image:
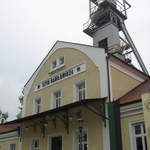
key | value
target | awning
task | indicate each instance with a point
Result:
(96, 106)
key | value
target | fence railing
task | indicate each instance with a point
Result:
(121, 5)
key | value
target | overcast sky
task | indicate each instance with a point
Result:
(29, 28)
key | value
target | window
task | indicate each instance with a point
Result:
(37, 106)
(36, 144)
(12, 147)
(78, 69)
(61, 60)
(56, 99)
(80, 91)
(84, 140)
(139, 136)
(39, 86)
(54, 64)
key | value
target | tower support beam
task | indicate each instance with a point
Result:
(135, 51)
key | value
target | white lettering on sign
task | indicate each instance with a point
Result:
(61, 76)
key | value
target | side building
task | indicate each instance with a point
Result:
(9, 138)
(135, 112)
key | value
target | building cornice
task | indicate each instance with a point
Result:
(131, 109)
(9, 135)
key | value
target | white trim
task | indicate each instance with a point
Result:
(123, 70)
(73, 71)
(54, 135)
(131, 109)
(132, 141)
(131, 136)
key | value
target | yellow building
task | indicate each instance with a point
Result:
(72, 101)
(85, 97)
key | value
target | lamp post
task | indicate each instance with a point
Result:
(80, 126)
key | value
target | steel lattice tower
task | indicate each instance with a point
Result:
(107, 28)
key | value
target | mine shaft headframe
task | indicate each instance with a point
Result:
(110, 15)
(102, 12)
(120, 5)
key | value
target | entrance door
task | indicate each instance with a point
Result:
(56, 143)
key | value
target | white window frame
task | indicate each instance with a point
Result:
(35, 105)
(53, 99)
(58, 65)
(63, 60)
(49, 139)
(133, 136)
(9, 147)
(75, 141)
(31, 146)
(76, 92)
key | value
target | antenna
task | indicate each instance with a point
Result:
(107, 28)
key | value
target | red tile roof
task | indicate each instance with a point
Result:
(8, 128)
(135, 94)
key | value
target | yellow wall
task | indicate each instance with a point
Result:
(91, 122)
(125, 122)
(72, 58)
(146, 106)
(5, 143)
(121, 83)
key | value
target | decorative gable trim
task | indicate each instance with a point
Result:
(97, 55)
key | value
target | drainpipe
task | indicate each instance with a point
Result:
(108, 77)
(114, 116)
